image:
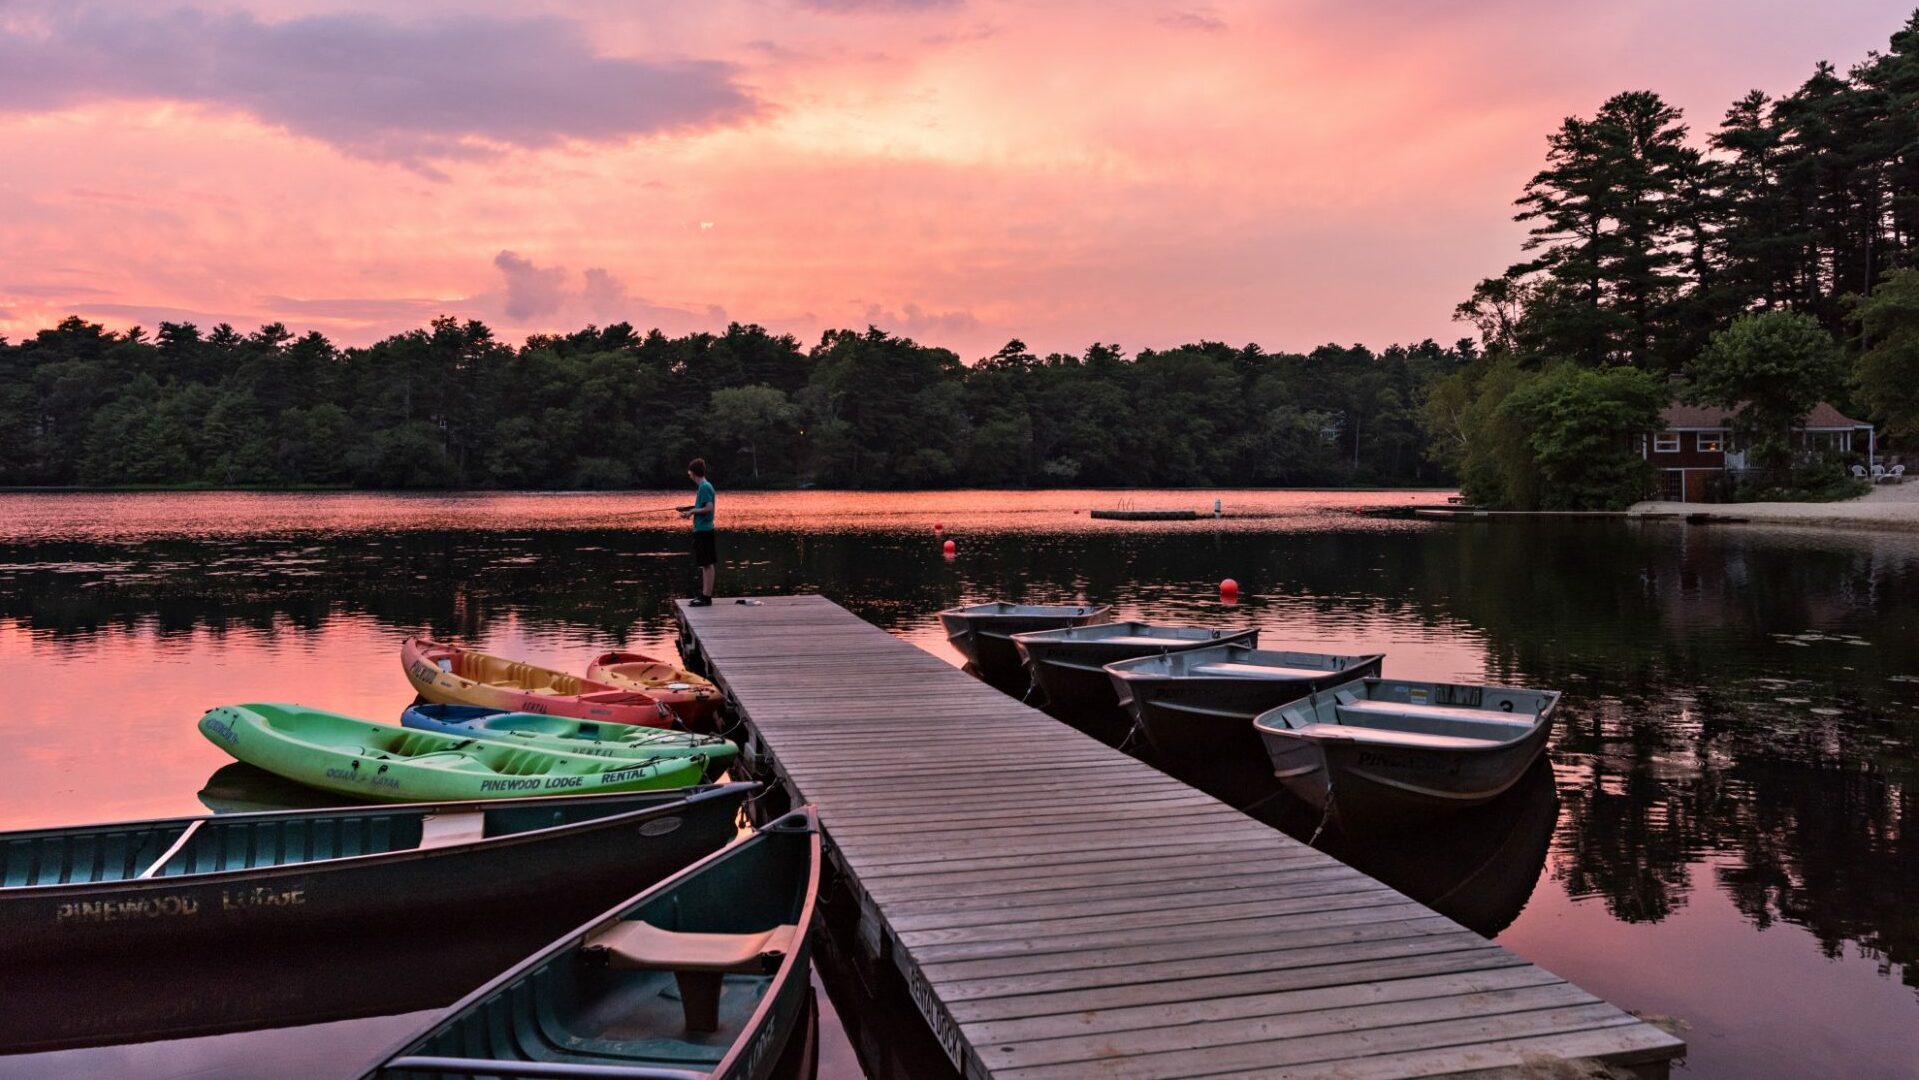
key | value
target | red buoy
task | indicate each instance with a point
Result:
(1229, 587)
(938, 528)
(949, 547)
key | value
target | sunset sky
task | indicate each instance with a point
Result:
(961, 171)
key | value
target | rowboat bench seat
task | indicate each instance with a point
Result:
(1141, 639)
(1257, 671)
(1393, 737)
(698, 962)
(1452, 713)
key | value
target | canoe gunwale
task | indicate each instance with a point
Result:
(535, 1070)
(133, 886)
(798, 956)
(778, 984)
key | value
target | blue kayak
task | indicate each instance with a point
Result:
(566, 734)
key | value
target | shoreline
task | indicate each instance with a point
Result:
(1892, 508)
(188, 489)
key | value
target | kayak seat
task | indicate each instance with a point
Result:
(443, 830)
(698, 961)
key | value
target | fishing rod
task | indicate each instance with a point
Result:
(658, 509)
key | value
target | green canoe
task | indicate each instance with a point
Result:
(392, 764)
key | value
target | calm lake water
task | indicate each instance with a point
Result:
(1726, 835)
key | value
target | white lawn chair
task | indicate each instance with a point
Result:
(1858, 472)
(1878, 474)
(1896, 475)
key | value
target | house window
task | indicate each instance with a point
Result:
(1666, 443)
(1712, 443)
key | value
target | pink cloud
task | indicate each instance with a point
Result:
(446, 87)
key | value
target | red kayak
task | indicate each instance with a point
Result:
(451, 675)
(695, 700)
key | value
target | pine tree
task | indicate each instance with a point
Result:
(1609, 217)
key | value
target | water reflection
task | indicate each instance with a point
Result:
(240, 788)
(1476, 866)
(1736, 750)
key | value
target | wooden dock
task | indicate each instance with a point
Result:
(1059, 909)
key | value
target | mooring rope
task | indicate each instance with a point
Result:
(1325, 816)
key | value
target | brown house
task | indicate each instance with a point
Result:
(1694, 450)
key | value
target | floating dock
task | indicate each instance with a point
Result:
(1061, 910)
(1145, 515)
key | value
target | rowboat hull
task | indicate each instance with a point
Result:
(451, 675)
(356, 933)
(585, 1005)
(565, 735)
(1199, 728)
(1367, 773)
(983, 634)
(383, 763)
(691, 698)
(1375, 782)
(1068, 668)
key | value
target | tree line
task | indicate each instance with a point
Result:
(449, 405)
(1765, 270)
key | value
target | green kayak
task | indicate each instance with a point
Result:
(567, 735)
(392, 764)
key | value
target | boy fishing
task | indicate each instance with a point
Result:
(705, 555)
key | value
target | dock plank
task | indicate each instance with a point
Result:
(1061, 910)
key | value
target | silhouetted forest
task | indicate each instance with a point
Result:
(451, 406)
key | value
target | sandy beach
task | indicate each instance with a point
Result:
(1887, 506)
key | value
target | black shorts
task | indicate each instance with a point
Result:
(703, 548)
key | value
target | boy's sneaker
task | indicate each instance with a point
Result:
(701, 601)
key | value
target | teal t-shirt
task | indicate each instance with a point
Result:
(703, 519)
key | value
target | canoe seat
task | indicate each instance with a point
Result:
(698, 961)
(441, 830)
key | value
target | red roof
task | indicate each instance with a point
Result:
(1823, 415)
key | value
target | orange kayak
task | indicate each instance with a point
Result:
(452, 675)
(695, 700)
